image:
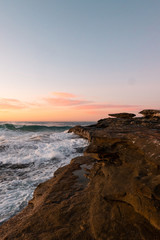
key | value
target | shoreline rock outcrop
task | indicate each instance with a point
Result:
(110, 193)
(150, 113)
(122, 115)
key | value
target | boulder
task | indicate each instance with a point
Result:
(150, 113)
(122, 115)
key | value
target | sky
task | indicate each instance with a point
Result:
(78, 60)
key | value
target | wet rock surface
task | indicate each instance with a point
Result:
(118, 200)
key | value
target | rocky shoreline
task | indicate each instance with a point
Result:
(111, 192)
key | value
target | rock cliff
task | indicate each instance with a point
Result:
(110, 193)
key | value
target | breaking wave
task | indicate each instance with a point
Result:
(33, 128)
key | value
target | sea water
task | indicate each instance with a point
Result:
(30, 152)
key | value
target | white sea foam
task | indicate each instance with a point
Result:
(28, 158)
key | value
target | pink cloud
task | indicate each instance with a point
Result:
(63, 99)
(107, 106)
(8, 103)
(89, 106)
(65, 102)
(12, 100)
(63, 95)
(15, 104)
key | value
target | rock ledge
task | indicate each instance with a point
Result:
(110, 193)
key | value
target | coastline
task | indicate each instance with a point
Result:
(111, 192)
(30, 154)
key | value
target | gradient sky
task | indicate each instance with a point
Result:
(63, 60)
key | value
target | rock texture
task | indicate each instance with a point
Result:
(122, 115)
(150, 113)
(110, 193)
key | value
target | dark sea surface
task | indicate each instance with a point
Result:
(30, 152)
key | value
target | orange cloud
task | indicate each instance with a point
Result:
(8, 104)
(15, 104)
(12, 100)
(63, 95)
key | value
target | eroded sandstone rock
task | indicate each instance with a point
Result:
(150, 113)
(122, 115)
(119, 200)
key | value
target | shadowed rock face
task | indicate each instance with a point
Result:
(120, 198)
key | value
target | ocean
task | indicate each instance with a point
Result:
(30, 152)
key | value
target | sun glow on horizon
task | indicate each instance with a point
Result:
(59, 106)
(78, 60)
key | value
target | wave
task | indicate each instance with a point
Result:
(33, 128)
